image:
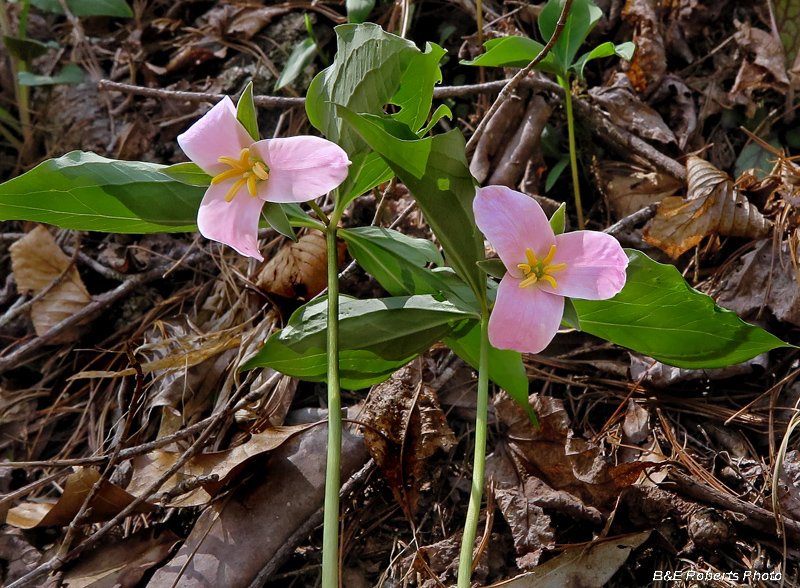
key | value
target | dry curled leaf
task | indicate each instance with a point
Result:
(37, 261)
(649, 63)
(120, 563)
(108, 501)
(207, 473)
(713, 206)
(299, 270)
(406, 427)
(628, 188)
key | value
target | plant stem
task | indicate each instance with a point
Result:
(330, 529)
(573, 155)
(479, 458)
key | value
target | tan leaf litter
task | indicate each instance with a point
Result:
(106, 504)
(629, 188)
(120, 563)
(299, 270)
(205, 474)
(713, 206)
(37, 261)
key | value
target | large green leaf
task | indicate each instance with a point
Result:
(389, 331)
(91, 193)
(514, 52)
(583, 16)
(396, 260)
(371, 69)
(658, 314)
(87, 7)
(505, 366)
(435, 171)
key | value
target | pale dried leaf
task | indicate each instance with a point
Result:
(299, 270)
(204, 474)
(628, 188)
(713, 206)
(765, 67)
(37, 260)
(581, 566)
(121, 563)
(106, 504)
(789, 485)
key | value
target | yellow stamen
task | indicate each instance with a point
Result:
(247, 169)
(536, 271)
(251, 185)
(546, 261)
(237, 185)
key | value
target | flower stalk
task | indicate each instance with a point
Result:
(330, 529)
(479, 458)
(573, 159)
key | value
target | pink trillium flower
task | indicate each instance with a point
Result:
(542, 267)
(248, 173)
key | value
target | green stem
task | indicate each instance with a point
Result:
(479, 459)
(573, 157)
(330, 531)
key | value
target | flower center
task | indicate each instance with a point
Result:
(536, 270)
(248, 169)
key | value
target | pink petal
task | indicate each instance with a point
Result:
(234, 223)
(524, 319)
(595, 265)
(300, 168)
(512, 222)
(216, 134)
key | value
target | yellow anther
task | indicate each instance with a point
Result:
(536, 271)
(551, 280)
(546, 261)
(248, 171)
(555, 268)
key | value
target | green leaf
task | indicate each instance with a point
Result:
(87, 7)
(435, 171)
(302, 54)
(493, 267)
(756, 157)
(559, 219)
(358, 10)
(91, 193)
(371, 69)
(514, 52)
(246, 112)
(370, 171)
(583, 16)
(570, 317)
(70, 74)
(659, 315)
(442, 111)
(555, 173)
(277, 219)
(505, 366)
(187, 173)
(624, 50)
(299, 218)
(24, 49)
(388, 332)
(395, 260)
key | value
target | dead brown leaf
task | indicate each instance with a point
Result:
(764, 69)
(299, 270)
(121, 563)
(37, 261)
(108, 501)
(406, 427)
(649, 63)
(789, 485)
(565, 462)
(629, 112)
(713, 206)
(629, 188)
(205, 474)
(763, 279)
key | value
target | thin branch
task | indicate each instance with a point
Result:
(509, 88)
